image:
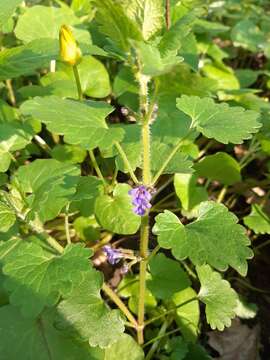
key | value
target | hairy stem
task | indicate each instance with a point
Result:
(144, 231)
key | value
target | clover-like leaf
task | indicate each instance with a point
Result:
(214, 238)
(36, 278)
(258, 221)
(51, 185)
(115, 212)
(167, 277)
(220, 299)
(220, 121)
(84, 314)
(27, 339)
(81, 123)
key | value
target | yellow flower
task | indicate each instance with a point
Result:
(69, 50)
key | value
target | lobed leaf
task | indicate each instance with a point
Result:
(214, 238)
(219, 121)
(81, 123)
(220, 299)
(36, 278)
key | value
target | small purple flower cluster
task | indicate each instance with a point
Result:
(141, 197)
(113, 255)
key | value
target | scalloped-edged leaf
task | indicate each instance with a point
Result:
(7, 217)
(221, 167)
(220, 121)
(51, 185)
(218, 296)
(26, 59)
(28, 339)
(167, 277)
(36, 278)
(258, 221)
(83, 313)
(115, 212)
(81, 123)
(214, 238)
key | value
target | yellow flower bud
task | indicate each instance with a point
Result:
(69, 50)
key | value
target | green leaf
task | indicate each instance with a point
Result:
(258, 221)
(197, 352)
(27, 59)
(115, 213)
(179, 348)
(218, 296)
(173, 38)
(188, 191)
(51, 185)
(248, 35)
(129, 288)
(214, 238)
(36, 278)
(28, 339)
(68, 153)
(7, 217)
(80, 123)
(219, 121)
(115, 24)
(187, 315)
(88, 189)
(7, 8)
(221, 167)
(13, 137)
(149, 14)
(224, 76)
(83, 313)
(43, 22)
(94, 78)
(179, 163)
(153, 62)
(167, 277)
(126, 348)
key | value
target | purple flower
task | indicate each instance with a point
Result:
(141, 197)
(113, 255)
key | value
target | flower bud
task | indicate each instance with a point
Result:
(69, 50)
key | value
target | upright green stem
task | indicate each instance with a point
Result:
(144, 231)
(78, 82)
